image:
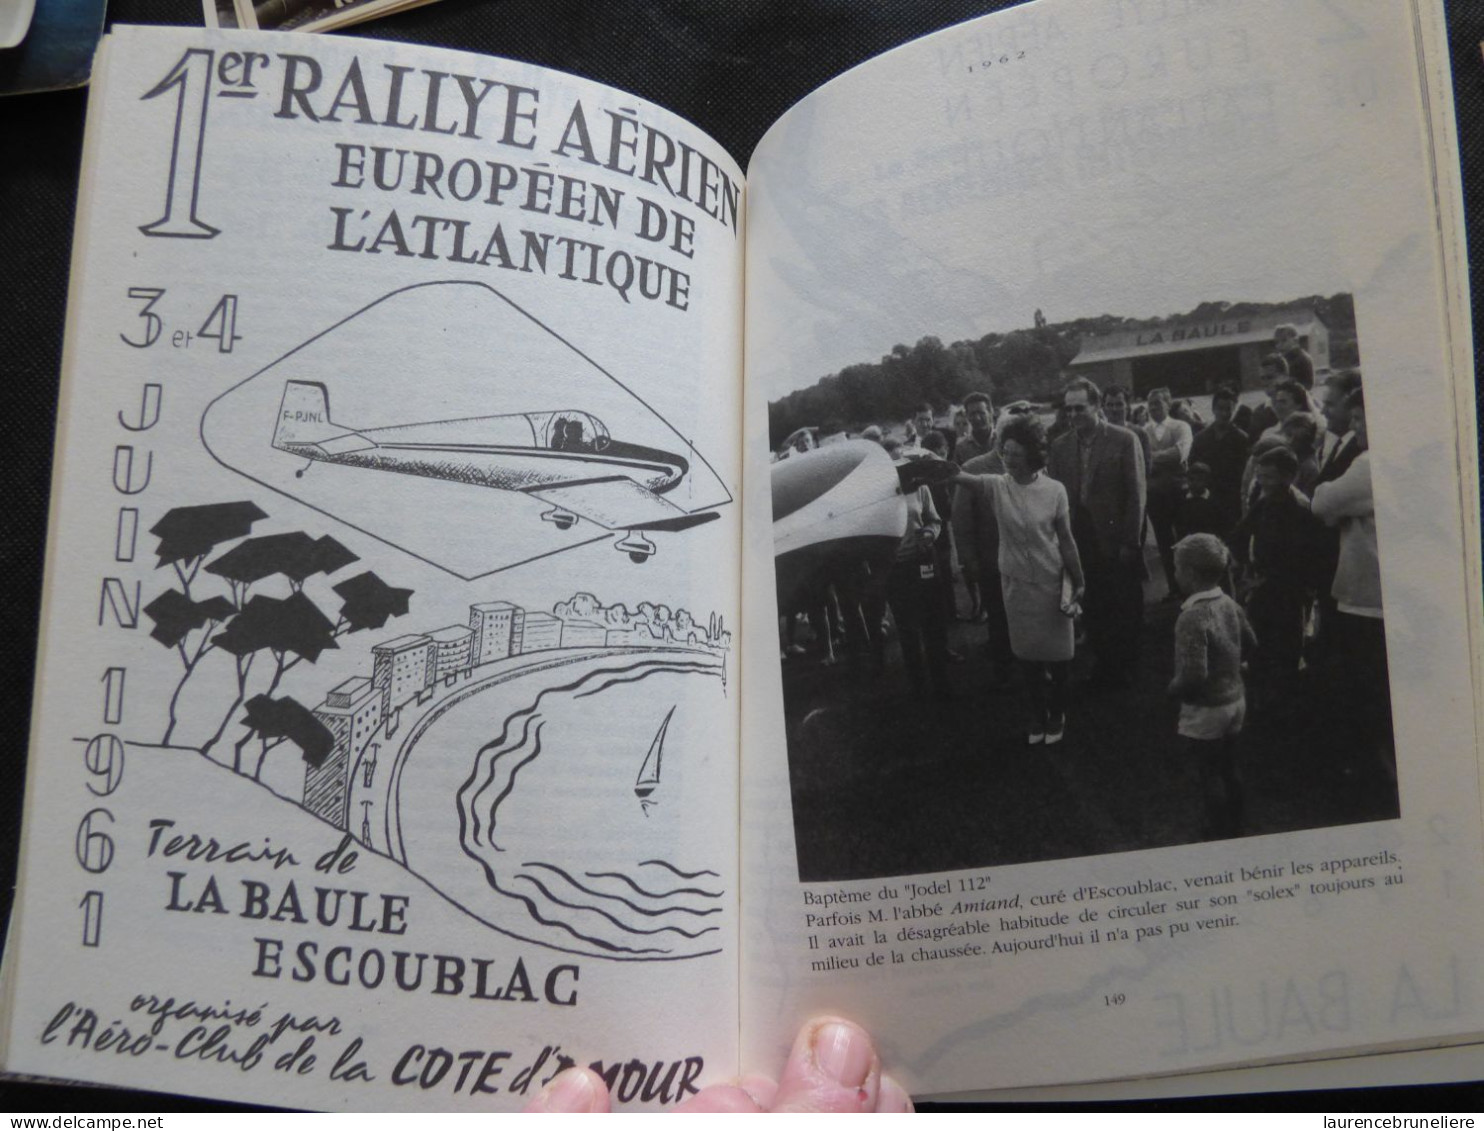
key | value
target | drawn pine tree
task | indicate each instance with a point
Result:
(288, 630)
(276, 721)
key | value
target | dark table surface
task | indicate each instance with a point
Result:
(729, 66)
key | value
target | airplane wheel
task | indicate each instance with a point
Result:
(564, 523)
(638, 559)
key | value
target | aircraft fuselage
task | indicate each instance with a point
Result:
(503, 467)
(510, 452)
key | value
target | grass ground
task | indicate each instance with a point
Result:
(886, 784)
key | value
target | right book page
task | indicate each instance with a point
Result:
(1021, 862)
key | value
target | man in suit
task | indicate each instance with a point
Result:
(1256, 421)
(1358, 688)
(1300, 364)
(979, 440)
(976, 534)
(1223, 447)
(1336, 454)
(922, 423)
(1115, 411)
(1340, 445)
(1102, 467)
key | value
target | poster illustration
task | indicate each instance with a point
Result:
(388, 707)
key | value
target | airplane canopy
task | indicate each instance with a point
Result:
(569, 430)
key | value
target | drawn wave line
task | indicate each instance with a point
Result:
(653, 894)
(618, 898)
(640, 671)
(622, 926)
(669, 666)
(522, 718)
(474, 786)
(473, 804)
(535, 912)
(531, 735)
(510, 785)
(599, 673)
(678, 872)
(490, 760)
(526, 715)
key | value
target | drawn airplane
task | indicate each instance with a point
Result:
(566, 459)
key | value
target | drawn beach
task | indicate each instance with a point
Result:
(460, 809)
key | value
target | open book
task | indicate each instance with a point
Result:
(477, 641)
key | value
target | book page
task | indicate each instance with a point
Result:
(384, 749)
(1028, 853)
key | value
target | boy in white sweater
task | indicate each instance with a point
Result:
(1211, 635)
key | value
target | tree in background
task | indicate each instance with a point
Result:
(659, 621)
(276, 721)
(1023, 363)
(187, 535)
(289, 629)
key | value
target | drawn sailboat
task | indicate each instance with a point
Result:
(649, 773)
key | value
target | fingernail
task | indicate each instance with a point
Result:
(843, 1053)
(570, 1091)
(894, 1098)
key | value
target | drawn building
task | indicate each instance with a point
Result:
(634, 635)
(541, 631)
(1192, 358)
(405, 669)
(493, 623)
(583, 634)
(351, 713)
(452, 652)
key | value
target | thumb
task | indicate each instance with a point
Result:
(574, 1090)
(833, 1067)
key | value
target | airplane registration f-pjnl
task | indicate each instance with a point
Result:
(566, 459)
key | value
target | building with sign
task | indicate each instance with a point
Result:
(1192, 358)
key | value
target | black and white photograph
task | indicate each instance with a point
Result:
(1079, 587)
(578, 556)
(314, 15)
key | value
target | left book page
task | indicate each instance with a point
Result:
(384, 741)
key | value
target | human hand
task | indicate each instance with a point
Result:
(833, 1067)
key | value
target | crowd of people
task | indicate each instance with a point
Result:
(1264, 523)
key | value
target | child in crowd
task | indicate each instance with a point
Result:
(1211, 634)
(935, 443)
(1198, 512)
(1301, 432)
(1277, 544)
